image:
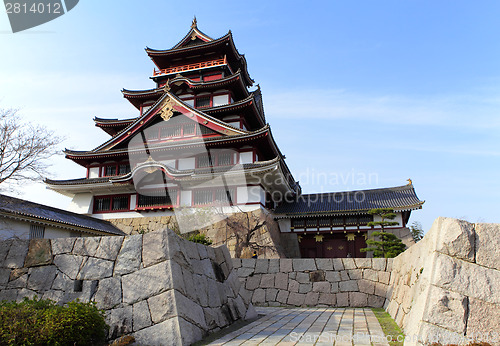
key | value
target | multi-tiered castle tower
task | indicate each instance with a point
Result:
(201, 140)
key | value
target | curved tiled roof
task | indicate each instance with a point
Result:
(21, 208)
(399, 198)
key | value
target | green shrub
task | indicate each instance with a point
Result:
(200, 238)
(43, 322)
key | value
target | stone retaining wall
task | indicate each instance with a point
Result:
(159, 288)
(353, 282)
(447, 286)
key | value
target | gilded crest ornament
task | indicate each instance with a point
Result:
(167, 108)
(351, 236)
(329, 248)
(341, 247)
(319, 238)
(299, 238)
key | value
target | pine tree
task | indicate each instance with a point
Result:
(389, 245)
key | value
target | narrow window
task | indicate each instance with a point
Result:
(102, 204)
(110, 170)
(225, 159)
(120, 203)
(37, 232)
(203, 161)
(203, 102)
(124, 169)
(202, 197)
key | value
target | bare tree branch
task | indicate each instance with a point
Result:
(24, 148)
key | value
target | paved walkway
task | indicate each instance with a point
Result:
(309, 326)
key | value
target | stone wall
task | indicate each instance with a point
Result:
(157, 287)
(268, 238)
(446, 287)
(353, 282)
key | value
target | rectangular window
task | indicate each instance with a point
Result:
(111, 203)
(203, 161)
(298, 223)
(170, 131)
(160, 200)
(364, 219)
(123, 169)
(324, 222)
(338, 221)
(351, 220)
(312, 223)
(120, 203)
(221, 195)
(225, 159)
(102, 204)
(110, 170)
(37, 232)
(189, 129)
(203, 102)
(202, 197)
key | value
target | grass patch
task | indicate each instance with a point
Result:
(389, 326)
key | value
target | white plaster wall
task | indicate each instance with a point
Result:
(94, 172)
(187, 163)
(169, 163)
(250, 194)
(220, 100)
(81, 203)
(246, 157)
(189, 102)
(186, 198)
(133, 201)
(20, 229)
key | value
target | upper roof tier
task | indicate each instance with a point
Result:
(197, 50)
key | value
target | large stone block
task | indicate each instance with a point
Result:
(296, 299)
(109, 293)
(248, 263)
(62, 245)
(120, 321)
(286, 265)
(39, 253)
(274, 265)
(363, 263)
(311, 299)
(331, 276)
(41, 278)
(86, 246)
(271, 294)
(355, 274)
(253, 282)
(261, 266)
(141, 315)
(293, 285)
(165, 333)
(348, 263)
(446, 309)
(370, 274)
(338, 265)
(281, 281)
(375, 302)
(366, 286)
(384, 277)
(453, 237)
(324, 263)
(259, 296)
(130, 256)
(348, 286)
(342, 299)
(155, 248)
(146, 282)
(379, 264)
(468, 278)
(282, 296)
(327, 299)
(305, 288)
(302, 278)
(304, 264)
(483, 322)
(95, 269)
(267, 281)
(69, 264)
(17, 253)
(487, 245)
(109, 247)
(358, 299)
(324, 287)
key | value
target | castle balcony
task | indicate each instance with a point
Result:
(188, 67)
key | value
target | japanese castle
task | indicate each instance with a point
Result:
(201, 139)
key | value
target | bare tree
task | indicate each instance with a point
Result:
(24, 148)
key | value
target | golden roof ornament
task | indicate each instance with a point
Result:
(409, 181)
(319, 238)
(194, 24)
(167, 85)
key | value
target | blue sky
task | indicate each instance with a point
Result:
(365, 93)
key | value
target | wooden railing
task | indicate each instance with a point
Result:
(188, 67)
